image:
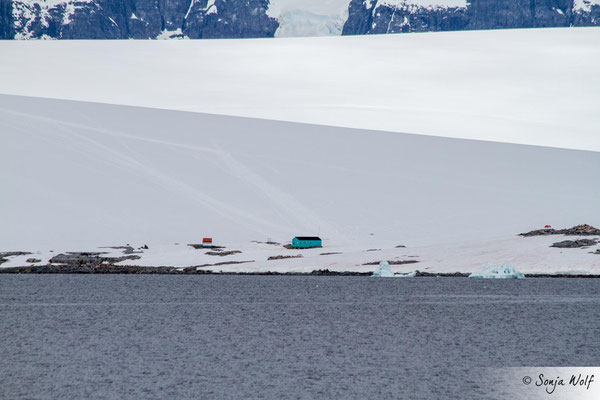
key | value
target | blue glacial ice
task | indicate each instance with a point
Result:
(384, 271)
(503, 271)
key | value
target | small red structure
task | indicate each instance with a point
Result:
(207, 242)
(548, 227)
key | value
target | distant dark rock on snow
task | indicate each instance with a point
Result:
(573, 244)
(199, 19)
(578, 230)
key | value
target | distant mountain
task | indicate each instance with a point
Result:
(394, 16)
(199, 19)
(135, 19)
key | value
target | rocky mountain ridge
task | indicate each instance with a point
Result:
(397, 16)
(204, 19)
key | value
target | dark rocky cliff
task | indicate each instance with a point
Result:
(370, 17)
(142, 19)
(6, 22)
(197, 19)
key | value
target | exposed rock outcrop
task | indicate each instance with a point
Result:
(393, 262)
(6, 20)
(5, 254)
(283, 257)
(573, 244)
(578, 230)
(200, 19)
(135, 19)
(222, 253)
(379, 16)
(89, 258)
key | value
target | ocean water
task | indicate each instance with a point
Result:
(285, 337)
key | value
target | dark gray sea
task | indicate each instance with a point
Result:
(285, 337)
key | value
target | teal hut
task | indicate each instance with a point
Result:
(306, 242)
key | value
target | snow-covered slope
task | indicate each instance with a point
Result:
(525, 86)
(75, 176)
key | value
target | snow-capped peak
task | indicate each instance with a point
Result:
(309, 17)
(585, 5)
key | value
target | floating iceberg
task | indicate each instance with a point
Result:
(384, 271)
(503, 271)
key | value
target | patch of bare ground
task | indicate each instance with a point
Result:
(283, 257)
(126, 249)
(89, 258)
(223, 263)
(393, 262)
(222, 253)
(200, 246)
(578, 230)
(290, 247)
(5, 254)
(573, 244)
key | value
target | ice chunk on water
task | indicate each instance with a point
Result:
(408, 275)
(383, 270)
(503, 271)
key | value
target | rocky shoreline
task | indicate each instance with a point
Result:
(578, 230)
(102, 262)
(125, 269)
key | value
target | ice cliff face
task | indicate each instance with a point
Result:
(309, 17)
(196, 19)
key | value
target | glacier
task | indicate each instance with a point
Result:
(457, 84)
(503, 271)
(309, 17)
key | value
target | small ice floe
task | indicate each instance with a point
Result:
(383, 271)
(503, 271)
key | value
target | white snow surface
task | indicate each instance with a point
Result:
(536, 86)
(503, 271)
(75, 176)
(531, 255)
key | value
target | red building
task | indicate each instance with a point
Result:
(207, 242)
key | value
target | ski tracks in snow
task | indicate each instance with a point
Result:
(292, 208)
